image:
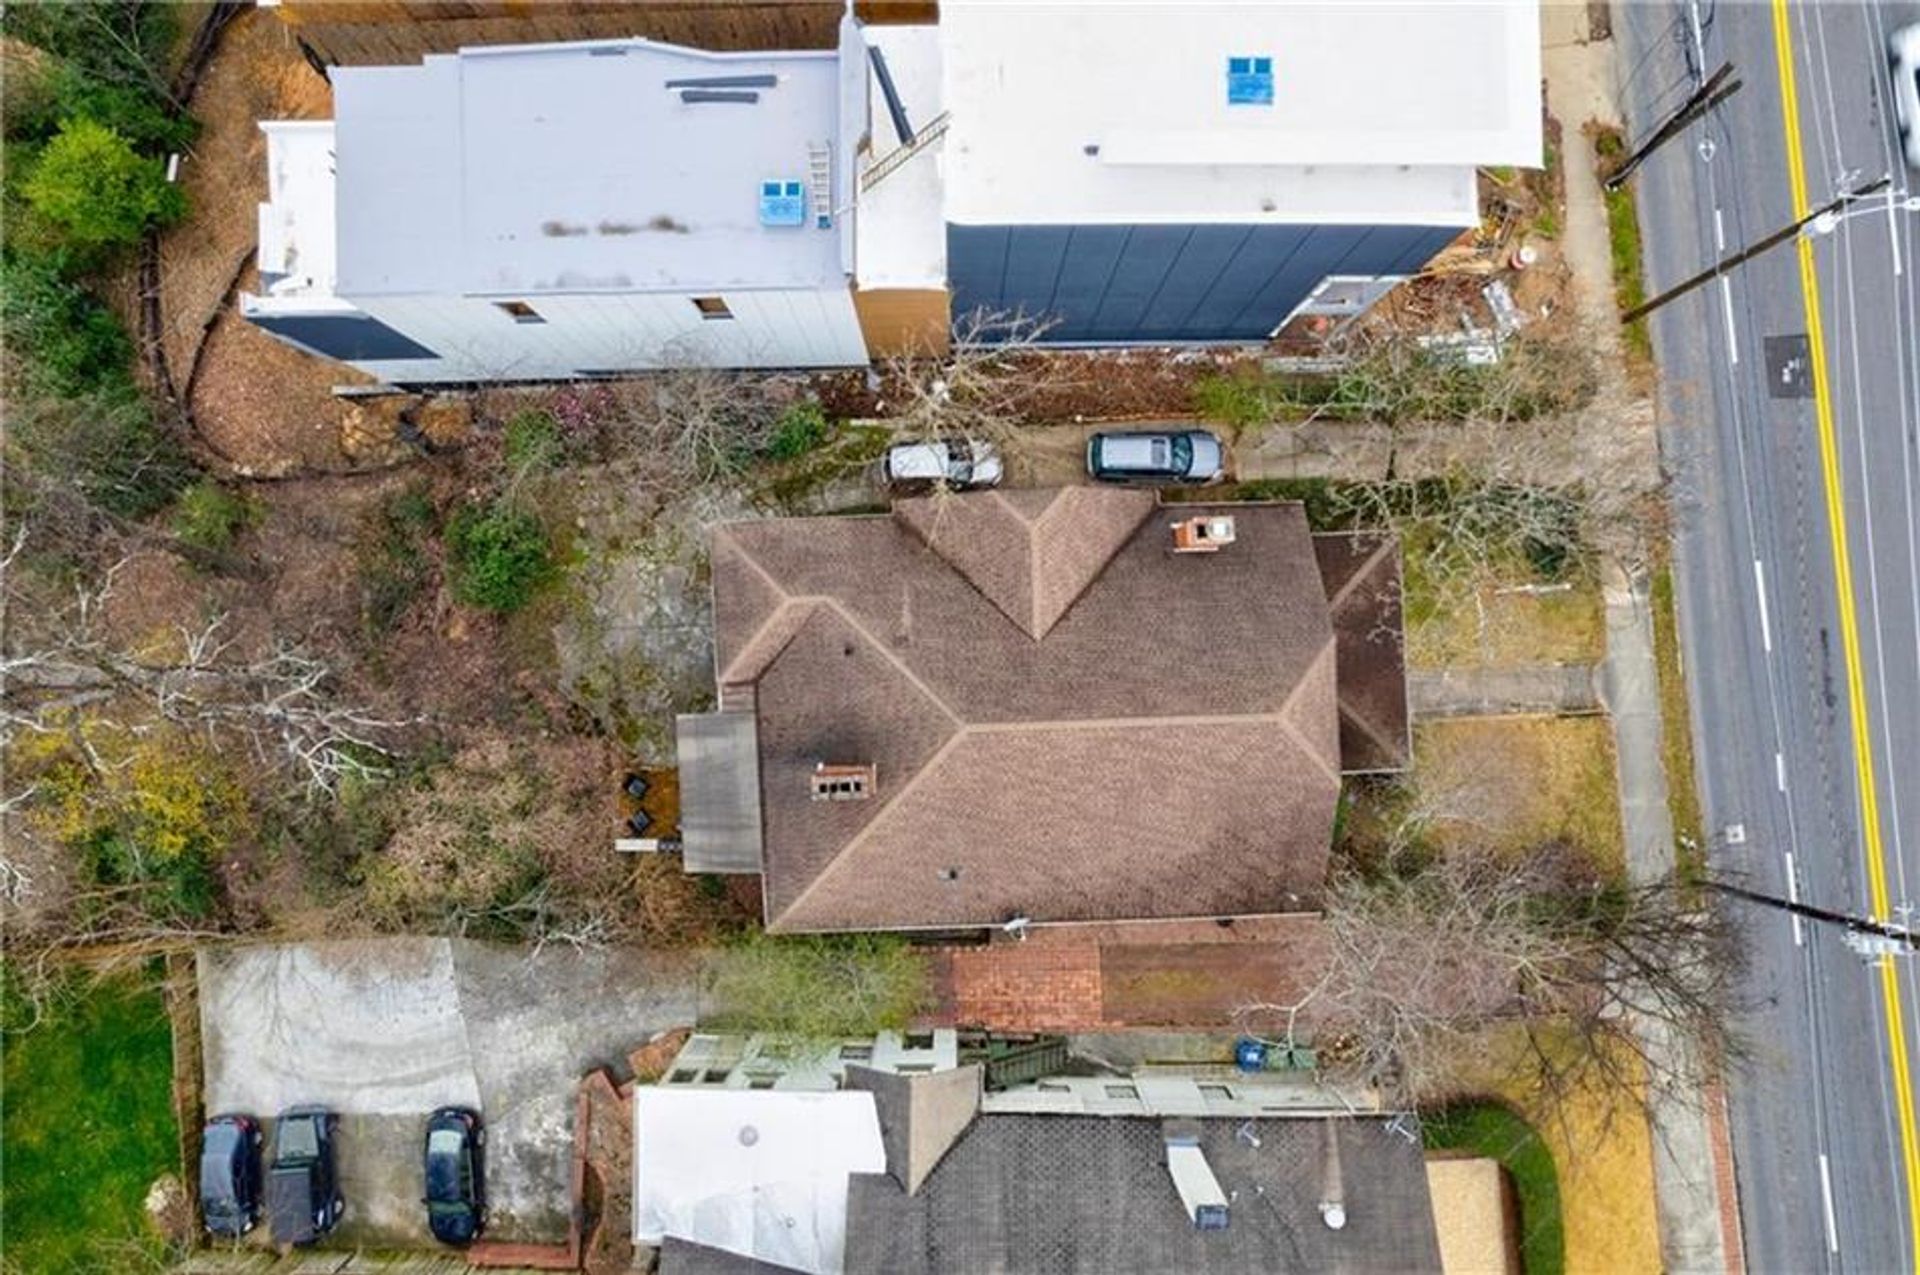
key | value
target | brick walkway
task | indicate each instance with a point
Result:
(1160, 974)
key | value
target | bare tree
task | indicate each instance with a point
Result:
(282, 705)
(1426, 960)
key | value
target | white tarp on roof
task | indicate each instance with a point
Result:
(762, 1173)
(1104, 111)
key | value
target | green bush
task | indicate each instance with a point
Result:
(533, 443)
(97, 190)
(59, 339)
(500, 556)
(817, 986)
(113, 41)
(209, 515)
(104, 447)
(1242, 398)
(60, 90)
(800, 429)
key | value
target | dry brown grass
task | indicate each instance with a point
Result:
(1486, 626)
(1513, 783)
(1602, 1148)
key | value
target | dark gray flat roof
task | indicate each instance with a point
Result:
(1067, 1194)
(719, 791)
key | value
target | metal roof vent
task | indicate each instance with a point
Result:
(1203, 534)
(1193, 1178)
(783, 203)
(1333, 1187)
(843, 782)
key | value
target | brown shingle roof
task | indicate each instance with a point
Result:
(1068, 720)
(1361, 571)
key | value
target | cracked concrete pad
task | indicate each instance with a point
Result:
(366, 1028)
(383, 1031)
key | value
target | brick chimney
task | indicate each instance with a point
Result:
(843, 782)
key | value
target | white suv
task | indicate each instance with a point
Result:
(959, 463)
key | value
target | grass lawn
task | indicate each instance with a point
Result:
(1494, 1130)
(1676, 725)
(88, 1127)
(1461, 622)
(1602, 1154)
(1623, 234)
(1516, 782)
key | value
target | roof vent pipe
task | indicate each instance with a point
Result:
(1333, 1190)
(901, 127)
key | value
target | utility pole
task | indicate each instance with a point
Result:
(1870, 938)
(1703, 99)
(1778, 237)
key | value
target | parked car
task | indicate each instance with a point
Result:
(1903, 52)
(960, 463)
(303, 1187)
(230, 1175)
(1187, 457)
(456, 1178)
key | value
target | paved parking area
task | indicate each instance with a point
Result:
(383, 1031)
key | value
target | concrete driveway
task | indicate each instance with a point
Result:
(383, 1031)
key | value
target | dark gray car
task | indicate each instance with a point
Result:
(1180, 457)
(303, 1188)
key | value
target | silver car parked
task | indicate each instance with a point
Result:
(1191, 457)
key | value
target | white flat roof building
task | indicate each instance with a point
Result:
(760, 1173)
(599, 166)
(1094, 111)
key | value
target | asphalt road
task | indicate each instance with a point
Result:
(1821, 1160)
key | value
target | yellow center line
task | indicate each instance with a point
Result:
(1849, 627)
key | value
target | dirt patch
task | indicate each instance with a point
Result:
(258, 74)
(266, 408)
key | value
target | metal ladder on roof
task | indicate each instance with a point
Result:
(934, 130)
(820, 182)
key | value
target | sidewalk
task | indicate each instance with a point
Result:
(1699, 1230)
(1503, 691)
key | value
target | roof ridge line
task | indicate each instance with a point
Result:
(1387, 543)
(1366, 728)
(1122, 723)
(1328, 653)
(886, 653)
(839, 856)
(787, 604)
(1147, 511)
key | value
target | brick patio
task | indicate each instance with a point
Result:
(1142, 974)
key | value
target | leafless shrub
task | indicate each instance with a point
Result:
(1430, 956)
(283, 707)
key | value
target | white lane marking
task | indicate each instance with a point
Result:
(1793, 896)
(1726, 306)
(1719, 232)
(1780, 771)
(1760, 587)
(1826, 1202)
(1893, 235)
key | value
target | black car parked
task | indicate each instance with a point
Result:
(303, 1189)
(230, 1175)
(456, 1178)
